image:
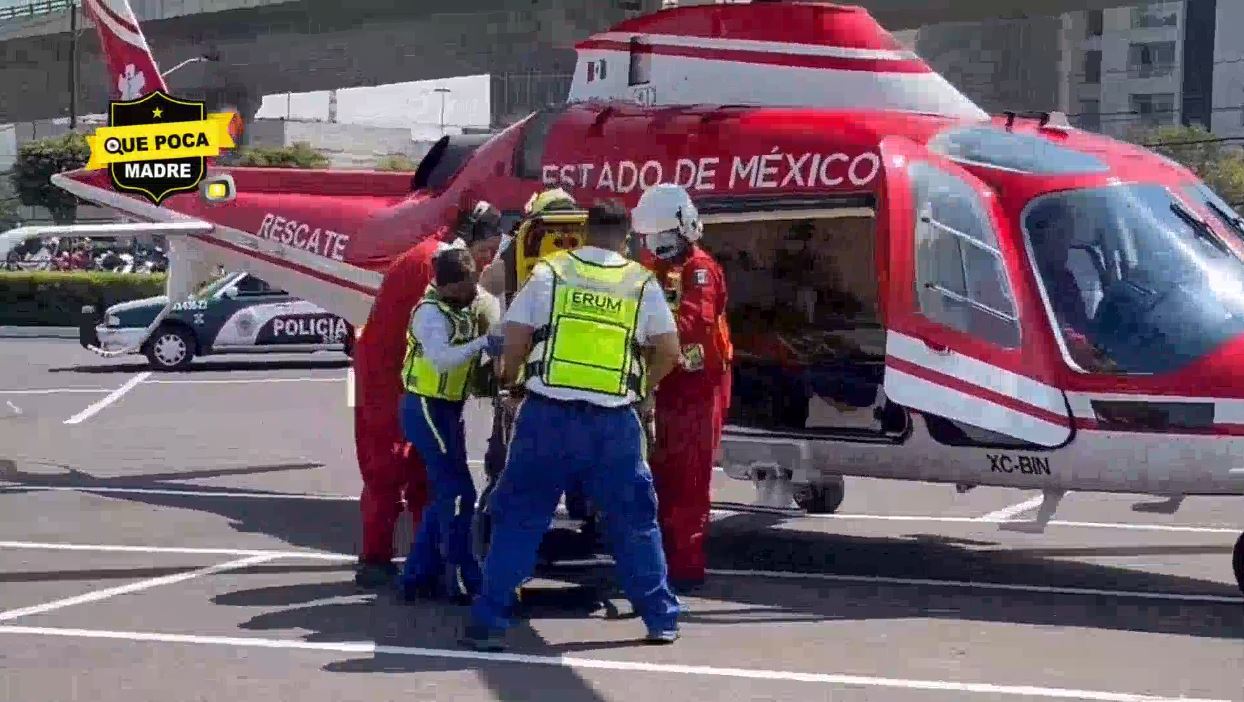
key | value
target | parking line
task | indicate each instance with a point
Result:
(371, 648)
(180, 550)
(243, 381)
(56, 391)
(1123, 526)
(187, 493)
(1001, 515)
(98, 595)
(777, 574)
(968, 584)
(111, 398)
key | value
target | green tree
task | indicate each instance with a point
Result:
(299, 155)
(37, 161)
(1219, 165)
(396, 162)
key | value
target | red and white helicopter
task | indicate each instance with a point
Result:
(1017, 302)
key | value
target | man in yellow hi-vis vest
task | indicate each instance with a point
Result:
(580, 328)
(444, 342)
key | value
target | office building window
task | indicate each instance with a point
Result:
(1090, 115)
(1094, 23)
(1152, 109)
(1092, 67)
(1155, 14)
(1151, 59)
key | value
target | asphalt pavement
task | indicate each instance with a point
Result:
(186, 536)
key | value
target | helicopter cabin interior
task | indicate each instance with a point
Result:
(803, 308)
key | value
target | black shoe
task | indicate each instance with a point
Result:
(373, 574)
(663, 637)
(480, 638)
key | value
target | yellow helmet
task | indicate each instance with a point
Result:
(551, 199)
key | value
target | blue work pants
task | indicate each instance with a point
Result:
(556, 445)
(441, 553)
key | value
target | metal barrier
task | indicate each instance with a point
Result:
(34, 8)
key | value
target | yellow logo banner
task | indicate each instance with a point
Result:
(160, 142)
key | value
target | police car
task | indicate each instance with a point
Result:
(236, 313)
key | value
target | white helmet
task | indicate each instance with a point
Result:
(667, 208)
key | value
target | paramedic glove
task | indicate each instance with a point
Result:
(496, 344)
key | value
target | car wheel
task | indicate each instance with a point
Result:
(170, 348)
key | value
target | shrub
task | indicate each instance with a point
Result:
(396, 162)
(52, 298)
(299, 155)
(37, 161)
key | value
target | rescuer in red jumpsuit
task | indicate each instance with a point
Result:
(390, 468)
(691, 402)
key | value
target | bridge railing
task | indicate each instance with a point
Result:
(33, 8)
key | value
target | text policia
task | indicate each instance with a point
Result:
(774, 170)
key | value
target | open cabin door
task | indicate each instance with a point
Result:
(952, 327)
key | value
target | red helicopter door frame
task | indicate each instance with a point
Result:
(954, 340)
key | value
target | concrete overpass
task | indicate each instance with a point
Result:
(269, 46)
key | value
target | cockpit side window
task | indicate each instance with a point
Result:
(961, 279)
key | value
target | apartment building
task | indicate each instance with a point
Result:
(1124, 67)
(1116, 71)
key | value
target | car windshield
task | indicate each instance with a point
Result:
(214, 287)
(1136, 282)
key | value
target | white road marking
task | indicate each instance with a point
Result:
(787, 575)
(111, 398)
(189, 551)
(976, 520)
(229, 494)
(98, 595)
(1049, 589)
(243, 381)
(350, 386)
(56, 391)
(371, 648)
(16, 409)
(1001, 515)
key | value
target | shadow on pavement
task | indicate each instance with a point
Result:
(738, 542)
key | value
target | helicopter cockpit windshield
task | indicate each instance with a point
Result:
(1135, 281)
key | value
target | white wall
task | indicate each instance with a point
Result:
(8, 146)
(1228, 115)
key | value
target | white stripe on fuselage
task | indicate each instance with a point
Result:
(776, 47)
(1226, 410)
(977, 372)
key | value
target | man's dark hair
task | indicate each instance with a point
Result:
(453, 266)
(608, 223)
